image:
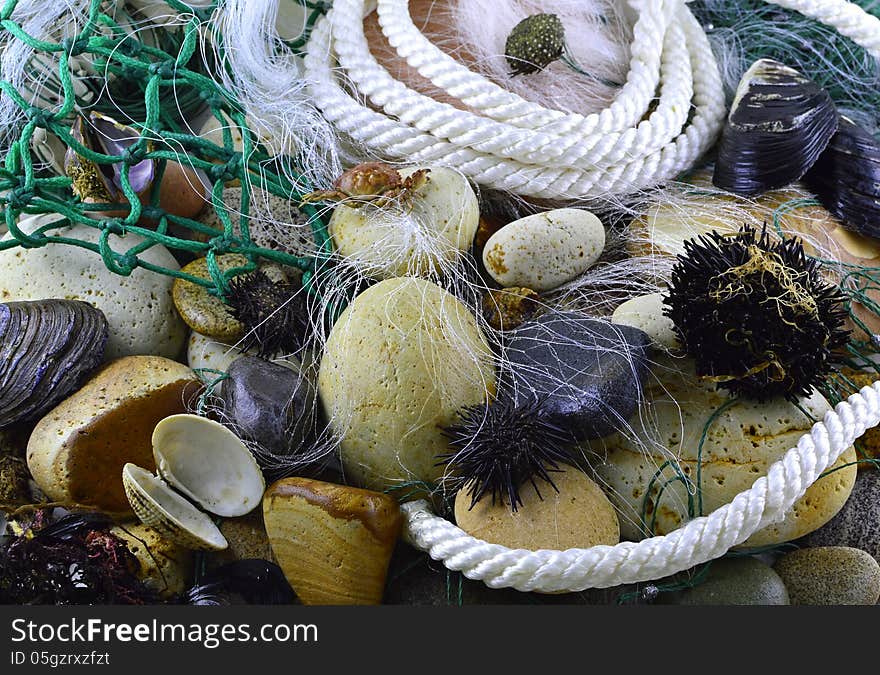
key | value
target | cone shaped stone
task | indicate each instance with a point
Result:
(333, 542)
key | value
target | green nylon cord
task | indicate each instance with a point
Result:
(158, 73)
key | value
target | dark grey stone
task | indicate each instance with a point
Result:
(589, 371)
(857, 524)
(269, 404)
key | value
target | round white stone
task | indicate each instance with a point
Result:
(645, 312)
(545, 250)
(139, 309)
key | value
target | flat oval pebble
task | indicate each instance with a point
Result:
(645, 312)
(578, 516)
(430, 231)
(732, 581)
(77, 451)
(830, 575)
(139, 308)
(399, 364)
(545, 250)
(739, 446)
(203, 312)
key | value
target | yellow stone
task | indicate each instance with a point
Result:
(164, 566)
(578, 516)
(399, 364)
(333, 542)
(740, 445)
(77, 451)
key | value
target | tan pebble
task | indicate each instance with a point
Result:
(203, 312)
(77, 451)
(399, 364)
(165, 567)
(508, 308)
(333, 542)
(578, 516)
(545, 250)
(247, 539)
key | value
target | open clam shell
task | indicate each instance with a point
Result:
(200, 465)
(846, 178)
(171, 515)
(208, 463)
(779, 124)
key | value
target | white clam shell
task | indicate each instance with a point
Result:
(172, 516)
(208, 463)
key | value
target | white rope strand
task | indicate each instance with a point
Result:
(700, 540)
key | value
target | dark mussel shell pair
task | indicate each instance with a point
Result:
(47, 349)
(783, 128)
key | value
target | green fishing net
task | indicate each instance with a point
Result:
(156, 82)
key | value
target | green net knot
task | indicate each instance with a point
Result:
(212, 99)
(228, 171)
(221, 244)
(74, 46)
(39, 116)
(18, 198)
(167, 70)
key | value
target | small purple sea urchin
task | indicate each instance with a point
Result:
(755, 314)
(501, 446)
(273, 313)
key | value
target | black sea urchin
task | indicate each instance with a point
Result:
(501, 446)
(756, 315)
(273, 313)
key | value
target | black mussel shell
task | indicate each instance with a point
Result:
(47, 349)
(252, 581)
(846, 179)
(779, 124)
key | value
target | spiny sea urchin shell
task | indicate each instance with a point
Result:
(501, 446)
(273, 313)
(535, 43)
(755, 314)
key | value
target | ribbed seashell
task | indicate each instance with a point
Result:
(846, 178)
(47, 349)
(200, 463)
(779, 124)
(172, 516)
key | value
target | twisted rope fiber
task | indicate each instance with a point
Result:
(700, 540)
(541, 180)
(520, 146)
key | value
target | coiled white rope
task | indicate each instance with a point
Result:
(508, 143)
(700, 540)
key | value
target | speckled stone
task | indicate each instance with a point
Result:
(422, 236)
(858, 522)
(544, 250)
(203, 312)
(138, 307)
(247, 539)
(733, 581)
(590, 370)
(77, 451)
(830, 575)
(578, 516)
(739, 446)
(399, 364)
